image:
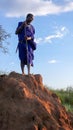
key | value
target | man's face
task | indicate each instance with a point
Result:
(29, 19)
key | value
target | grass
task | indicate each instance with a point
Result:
(66, 97)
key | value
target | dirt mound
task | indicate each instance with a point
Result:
(25, 104)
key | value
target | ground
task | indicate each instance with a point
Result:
(25, 104)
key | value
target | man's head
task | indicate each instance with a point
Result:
(29, 18)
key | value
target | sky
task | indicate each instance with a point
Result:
(53, 22)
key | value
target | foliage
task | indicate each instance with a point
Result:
(3, 37)
(66, 97)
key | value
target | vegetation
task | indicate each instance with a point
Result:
(66, 97)
(3, 37)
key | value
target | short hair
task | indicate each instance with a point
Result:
(29, 15)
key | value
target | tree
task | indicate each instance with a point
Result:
(3, 39)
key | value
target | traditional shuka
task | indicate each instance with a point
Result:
(26, 48)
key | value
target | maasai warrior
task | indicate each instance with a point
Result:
(26, 44)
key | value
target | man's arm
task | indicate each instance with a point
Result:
(20, 28)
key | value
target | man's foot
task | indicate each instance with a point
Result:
(29, 74)
(23, 73)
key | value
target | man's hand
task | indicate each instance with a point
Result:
(27, 38)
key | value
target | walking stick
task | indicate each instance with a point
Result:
(28, 65)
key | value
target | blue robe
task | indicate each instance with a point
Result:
(26, 48)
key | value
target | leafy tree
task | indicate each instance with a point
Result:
(3, 39)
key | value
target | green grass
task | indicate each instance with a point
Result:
(69, 107)
(66, 97)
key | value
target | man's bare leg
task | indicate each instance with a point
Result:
(22, 68)
(28, 67)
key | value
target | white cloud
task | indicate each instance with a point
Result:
(52, 61)
(17, 8)
(39, 40)
(68, 7)
(12, 63)
(59, 33)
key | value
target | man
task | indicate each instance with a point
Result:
(26, 44)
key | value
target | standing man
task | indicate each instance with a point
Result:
(26, 44)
